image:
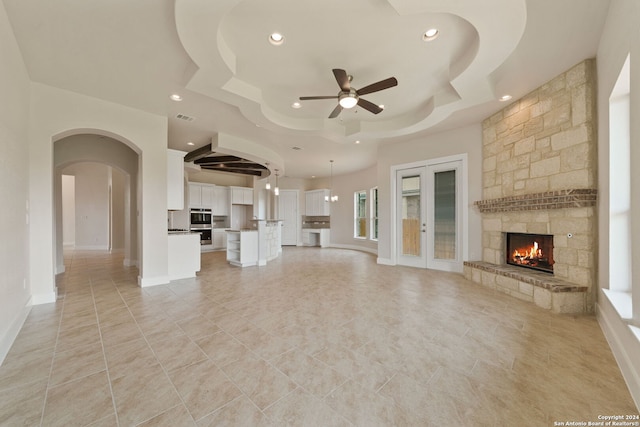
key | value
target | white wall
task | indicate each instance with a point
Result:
(68, 210)
(89, 199)
(92, 205)
(342, 211)
(219, 178)
(14, 187)
(56, 114)
(118, 193)
(621, 37)
(458, 141)
(108, 151)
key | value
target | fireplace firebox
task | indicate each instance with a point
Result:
(533, 251)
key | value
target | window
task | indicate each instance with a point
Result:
(374, 214)
(620, 291)
(360, 209)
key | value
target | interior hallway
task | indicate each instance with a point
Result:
(318, 337)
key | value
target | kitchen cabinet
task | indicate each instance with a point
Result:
(219, 239)
(183, 255)
(221, 201)
(241, 196)
(315, 204)
(242, 247)
(201, 195)
(175, 179)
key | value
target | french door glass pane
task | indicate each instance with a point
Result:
(411, 215)
(444, 215)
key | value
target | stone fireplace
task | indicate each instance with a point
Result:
(539, 177)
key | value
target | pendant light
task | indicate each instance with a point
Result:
(276, 191)
(331, 197)
(268, 184)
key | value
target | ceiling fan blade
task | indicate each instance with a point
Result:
(370, 106)
(307, 98)
(342, 78)
(375, 87)
(335, 112)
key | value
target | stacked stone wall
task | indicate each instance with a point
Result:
(545, 141)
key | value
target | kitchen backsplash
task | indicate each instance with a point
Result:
(321, 221)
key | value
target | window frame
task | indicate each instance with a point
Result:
(357, 220)
(373, 214)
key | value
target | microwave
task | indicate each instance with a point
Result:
(200, 218)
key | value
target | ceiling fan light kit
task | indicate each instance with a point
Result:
(349, 97)
(348, 100)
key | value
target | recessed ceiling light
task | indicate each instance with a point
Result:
(190, 143)
(430, 34)
(175, 97)
(504, 98)
(276, 39)
(358, 141)
(296, 105)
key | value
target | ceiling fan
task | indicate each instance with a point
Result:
(349, 97)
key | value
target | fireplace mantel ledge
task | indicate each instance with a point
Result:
(535, 278)
(559, 199)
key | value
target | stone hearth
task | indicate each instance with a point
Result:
(539, 176)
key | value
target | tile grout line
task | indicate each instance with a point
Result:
(104, 355)
(53, 356)
(164, 370)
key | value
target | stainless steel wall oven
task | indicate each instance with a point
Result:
(201, 222)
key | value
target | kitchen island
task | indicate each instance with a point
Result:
(183, 254)
(256, 245)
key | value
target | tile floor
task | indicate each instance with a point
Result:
(319, 337)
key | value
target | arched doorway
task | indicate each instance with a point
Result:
(97, 219)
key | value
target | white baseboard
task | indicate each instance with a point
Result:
(92, 248)
(10, 336)
(60, 269)
(46, 298)
(385, 261)
(624, 345)
(145, 282)
(355, 248)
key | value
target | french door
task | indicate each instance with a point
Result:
(429, 216)
(444, 216)
(411, 218)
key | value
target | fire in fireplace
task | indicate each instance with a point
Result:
(531, 251)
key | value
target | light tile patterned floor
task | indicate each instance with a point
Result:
(319, 337)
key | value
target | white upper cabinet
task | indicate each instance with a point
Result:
(207, 196)
(201, 195)
(241, 196)
(221, 201)
(175, 179)
(316, 204)
(195, 195)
